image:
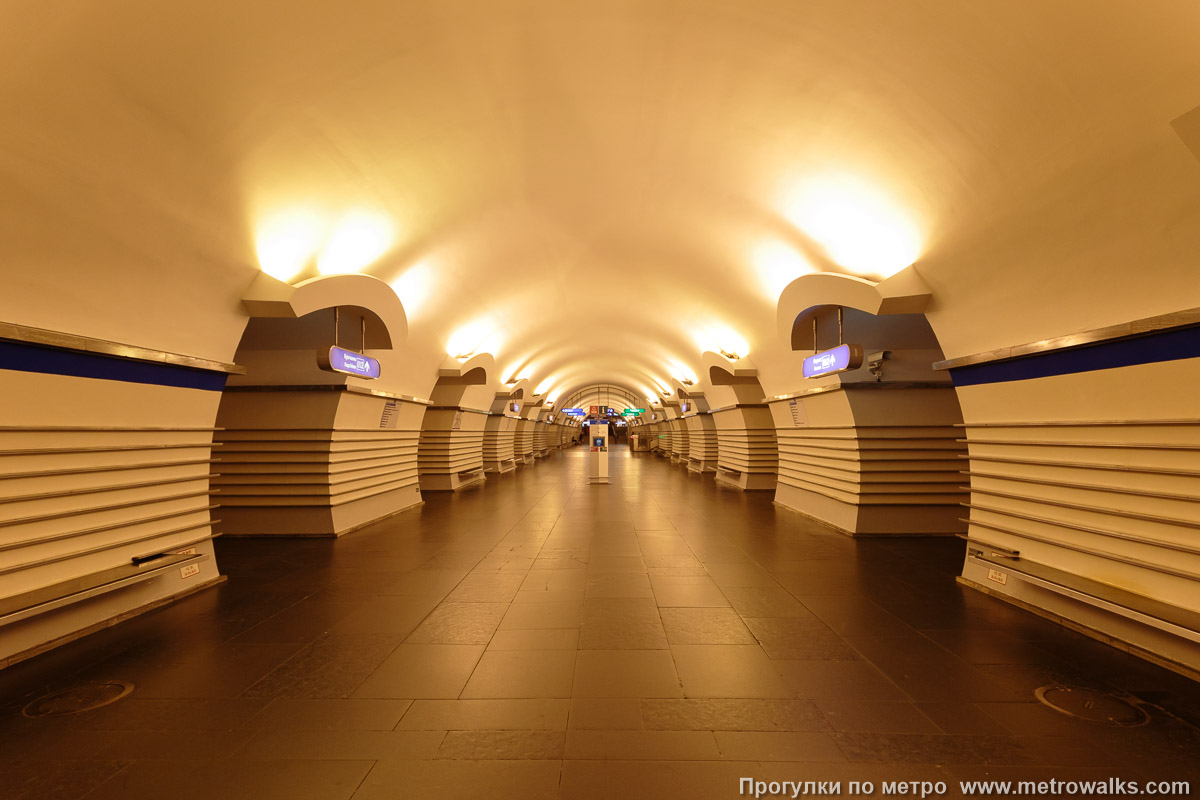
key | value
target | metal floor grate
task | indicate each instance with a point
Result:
(77, 699)
(1092, 705)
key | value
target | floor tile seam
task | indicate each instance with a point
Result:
(125, 767)
(921, 634)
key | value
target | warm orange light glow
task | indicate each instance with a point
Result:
(857, 224)
(778, 264)
(359, 239)
(720, 338)
(287, 241)
(414, 287)
(479, 336)
(681, 372)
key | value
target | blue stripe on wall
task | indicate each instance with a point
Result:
(1172, 345)
(49, 361)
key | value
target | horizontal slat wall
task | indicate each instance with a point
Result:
(77, 500)
(313, 467)
(747, 452)
(1117, 501)
(881, 465)
(523, 442)
(451, 442)
(499, 437)
(702, 443)
(541, 438)
(666, 434)
(315, 463)
(679, 441)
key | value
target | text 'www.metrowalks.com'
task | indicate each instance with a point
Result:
(1109, 787)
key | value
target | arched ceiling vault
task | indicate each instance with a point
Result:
(600, 191)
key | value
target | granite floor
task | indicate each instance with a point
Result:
(539, 637)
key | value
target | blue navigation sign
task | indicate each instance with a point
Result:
(839, 359)
(349, 362)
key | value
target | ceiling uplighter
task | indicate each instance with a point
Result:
(858, 224)
(358, 239)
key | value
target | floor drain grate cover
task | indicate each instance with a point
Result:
(1092, 705)
(77, 699)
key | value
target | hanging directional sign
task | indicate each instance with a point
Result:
(839, 359)
(348, 362)
(575, 412)
(633, 412)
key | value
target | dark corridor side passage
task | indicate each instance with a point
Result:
(539, 637)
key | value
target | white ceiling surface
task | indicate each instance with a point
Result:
(601, 191)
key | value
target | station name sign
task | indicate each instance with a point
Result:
(839, 359)
(348, 362)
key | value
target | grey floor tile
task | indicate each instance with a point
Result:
(732, 714)
(422, 671)
(727, 670)
(462, 780)
(522, 674)
(705, 626)
(494, 714)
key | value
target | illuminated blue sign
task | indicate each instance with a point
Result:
(839, 359)
(575, 412)
(349, 362)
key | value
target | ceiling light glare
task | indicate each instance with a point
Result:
(778, 264)
(478, 336)
(730, 343)
(286, 242)
(357, 241)
(856, 223)
(414, 288)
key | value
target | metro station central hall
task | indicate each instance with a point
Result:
(640, 399)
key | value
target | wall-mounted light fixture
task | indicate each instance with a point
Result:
(730, 356)
(688, 382)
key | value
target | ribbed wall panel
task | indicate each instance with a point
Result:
(314, 467)
(523, 441)
(541, 438)
(450, 452)
(882, 465)
(746, 440)
(77, 500)
(666, 433)
(679, 441)
(451, 443)
(702, 443)
(1118, 501)
(499, 440)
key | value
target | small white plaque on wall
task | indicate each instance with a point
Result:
(799, 418)
(391, 412)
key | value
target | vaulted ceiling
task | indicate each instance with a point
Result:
(603, 191)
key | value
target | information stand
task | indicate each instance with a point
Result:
(598, 457)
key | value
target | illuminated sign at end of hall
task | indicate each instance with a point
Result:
(839, 359)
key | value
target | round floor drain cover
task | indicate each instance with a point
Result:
(1092, 705)
(77, 699)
